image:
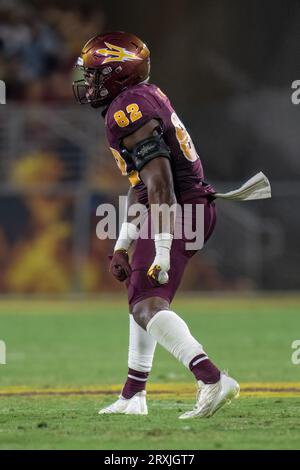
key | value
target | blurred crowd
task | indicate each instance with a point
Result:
(38, 46)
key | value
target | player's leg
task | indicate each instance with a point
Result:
(140, 357)
(150, 305)
(171, 332)
(150, 308)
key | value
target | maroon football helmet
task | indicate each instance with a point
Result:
(110, 63)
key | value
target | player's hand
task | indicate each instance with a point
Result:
(158, 271)
(119, 265)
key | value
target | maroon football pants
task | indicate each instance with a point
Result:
(139, 287)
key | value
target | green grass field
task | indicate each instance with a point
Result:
(64, 358)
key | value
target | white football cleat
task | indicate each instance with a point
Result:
(136, 405)
(211, 397)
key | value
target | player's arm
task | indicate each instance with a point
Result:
(119, 265)
(156, 174)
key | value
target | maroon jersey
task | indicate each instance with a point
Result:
(133, 108)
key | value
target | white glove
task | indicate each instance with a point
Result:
(158, 271)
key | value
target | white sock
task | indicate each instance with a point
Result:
(141, 347)
(171, 332)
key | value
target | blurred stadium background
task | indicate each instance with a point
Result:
(227, 67)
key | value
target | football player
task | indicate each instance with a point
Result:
(153, 149)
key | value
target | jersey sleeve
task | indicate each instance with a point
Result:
(130, 112)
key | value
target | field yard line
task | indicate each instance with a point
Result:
(168, 390)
